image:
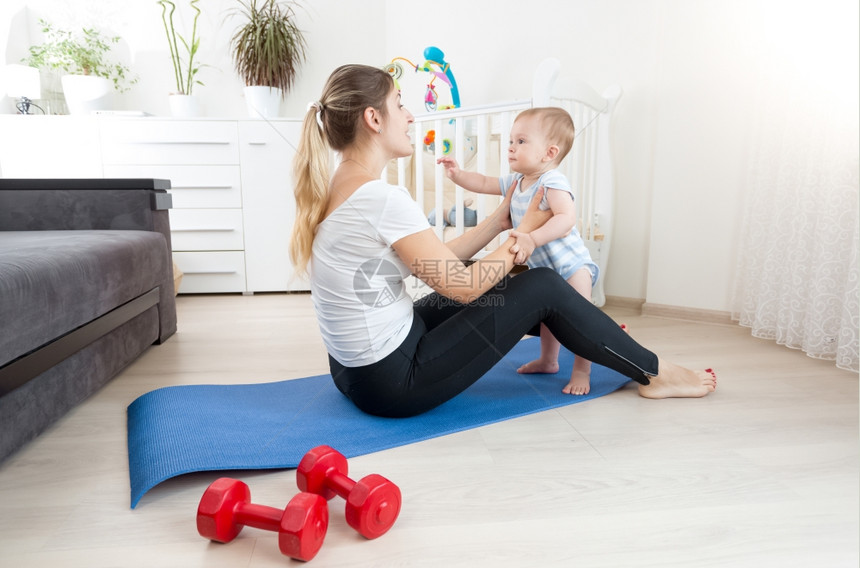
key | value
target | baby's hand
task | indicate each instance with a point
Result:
(450, 165)
(523, 248)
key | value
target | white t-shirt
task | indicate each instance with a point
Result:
(357, 287)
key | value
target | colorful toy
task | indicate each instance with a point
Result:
(435, 65)
(434, 56)
(372, 503)
(226, 508)
(438, 68)
(430, 143)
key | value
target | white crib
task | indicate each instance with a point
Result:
(478, 138)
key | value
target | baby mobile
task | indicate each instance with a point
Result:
(436, 66)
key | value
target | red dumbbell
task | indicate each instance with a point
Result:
(226, 507)
(372, 503)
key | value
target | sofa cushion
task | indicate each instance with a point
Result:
(52, 282)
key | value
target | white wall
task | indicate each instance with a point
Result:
(687, 68)
(718, 62)
(705, 80)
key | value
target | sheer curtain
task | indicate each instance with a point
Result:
(797, 272)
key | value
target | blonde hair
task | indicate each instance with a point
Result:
(557, 125)
(348, 92)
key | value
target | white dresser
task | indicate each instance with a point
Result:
(231, 181)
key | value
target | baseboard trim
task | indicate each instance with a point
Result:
(688, 314)
(670, 312)
(625, 303)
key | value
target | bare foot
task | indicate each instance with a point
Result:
(539, 366)
(674, 381)
(580, 383)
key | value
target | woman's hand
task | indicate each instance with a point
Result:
(503, 211)
(534, 218)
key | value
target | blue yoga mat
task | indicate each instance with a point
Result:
(185, 429)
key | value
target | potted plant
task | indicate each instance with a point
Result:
(182, 101)
(268, 49)
(90, 75)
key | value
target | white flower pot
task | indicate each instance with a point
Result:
(185, 106)
(263, 102)
(86, 93)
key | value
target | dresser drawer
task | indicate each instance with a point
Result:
(211, 272)
(206, 229)
(149, 141)
(213, 187)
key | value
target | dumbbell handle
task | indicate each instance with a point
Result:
(258, 516)
(338, 482)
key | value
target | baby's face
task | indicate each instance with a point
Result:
(527, 150)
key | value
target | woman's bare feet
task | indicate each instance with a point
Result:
(580, 383)
(679, 382)
(539, 366)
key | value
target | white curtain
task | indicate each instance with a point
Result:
(797, 273)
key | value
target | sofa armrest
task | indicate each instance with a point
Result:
(93, 204)
(82, 204)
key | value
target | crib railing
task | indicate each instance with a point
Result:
(477, 138)
(589, 166)
(474, 132)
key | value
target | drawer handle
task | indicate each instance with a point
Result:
(182, 142)
(209, 272)
(256, 143)
(203, 230)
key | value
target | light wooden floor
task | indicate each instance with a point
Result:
(762, 473)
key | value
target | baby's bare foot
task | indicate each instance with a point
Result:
(580, 383)
(539, 366)
(678, 382)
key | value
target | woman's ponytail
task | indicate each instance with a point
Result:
(311, 175)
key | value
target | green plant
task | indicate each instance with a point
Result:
(268, 48)
(185, 73)
(82, 53)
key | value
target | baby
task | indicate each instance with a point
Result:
(540, 140)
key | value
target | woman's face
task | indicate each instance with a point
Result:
(395, 130)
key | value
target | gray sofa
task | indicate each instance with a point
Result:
(86, 286)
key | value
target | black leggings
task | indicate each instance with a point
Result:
(451, 345)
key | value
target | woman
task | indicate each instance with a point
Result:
(362, 237)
